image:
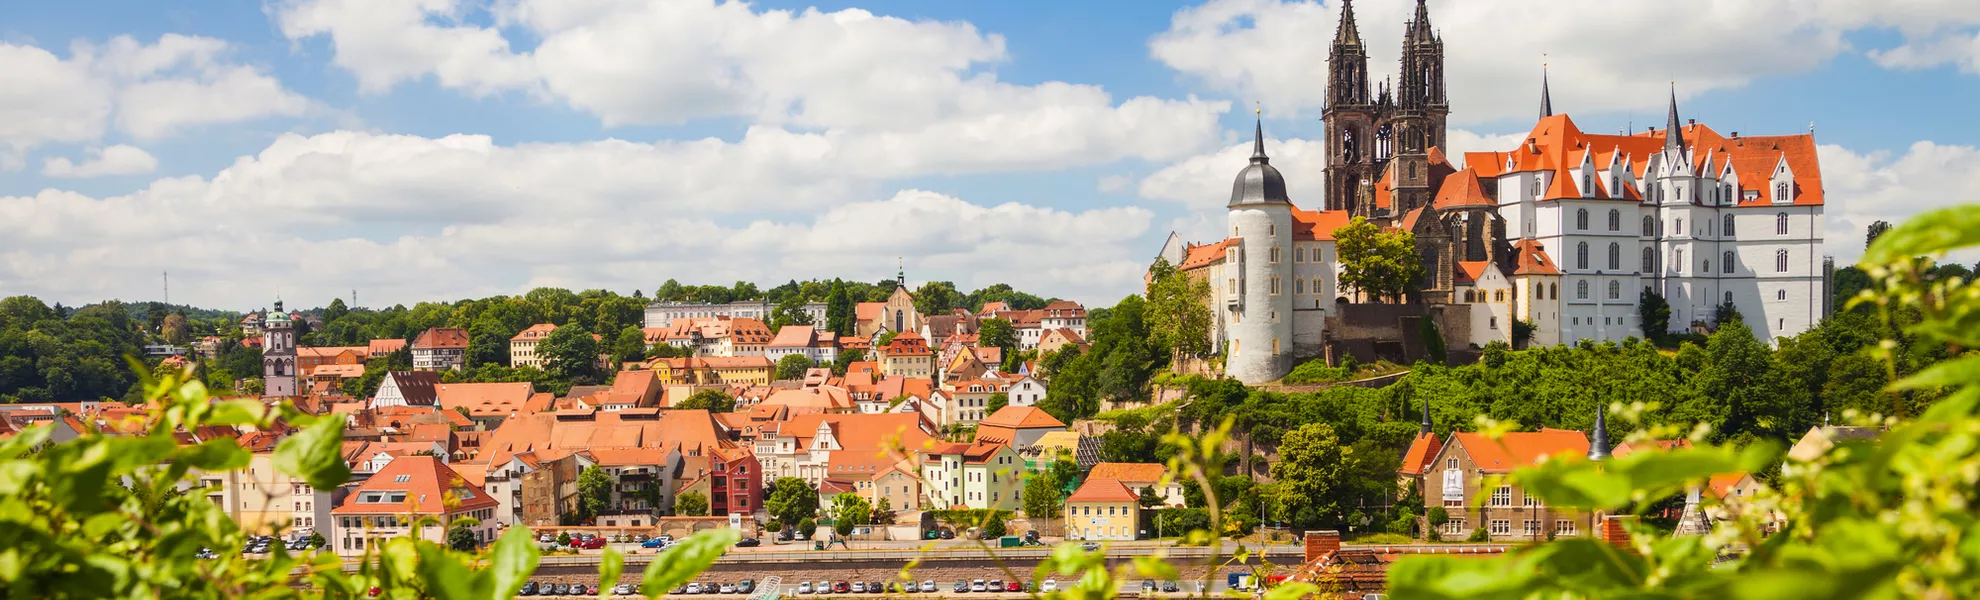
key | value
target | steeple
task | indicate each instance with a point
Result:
(1674, 129)
(1258, 156)
(1347, 34)
(1419, 28)
(900, 276)
(1598, 440)
(1425, 429)
(1546, 99)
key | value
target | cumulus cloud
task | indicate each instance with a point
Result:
(153, 90)
(1866, 187)
(115, 160)
(1275, 51)
(406, 218)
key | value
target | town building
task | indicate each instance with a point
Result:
(907, 355)
(406, 388)
(663, 314)
(822, 347)
(1026, 391)
(279, 375)
(308, 358)
(522, 347)
(1457, 474)
(1017, 426)
(440, 349)
(394, 501)
(1103, 510)
(745, 370)
(1141, 475)
(897, 314)
(975, 475)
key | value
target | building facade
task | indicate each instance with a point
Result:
(279, 368)
(663, 314)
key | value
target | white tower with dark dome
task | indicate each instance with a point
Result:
(278, 354)
(1256, 294)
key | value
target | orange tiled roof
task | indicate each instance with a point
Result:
(441, 337)
(868, 311)
(534, 332)
(1021, 417)
(1468, 271)
(1129, 472)
(385, 346)
(426, 484)
(1103, 490)
(1556, 144)
(1421, 451)
(1196, 257)
(1462, 190)
(1533, 259)
(485, 398)
(1317, 225)
(1520, 449)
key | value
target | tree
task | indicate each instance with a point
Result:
(569, 353)
(1148, 498)
(806, 527)
(594, 492)
(839, 310)
(714, 400)
(996, 403)
(1655, 315)
(884, 339)
(1726, 312)
(1438, 517)
(1877, 228)
(849, 511)
(316, 539)
(997, 333)
(176, 330)
(1738, 389)
(792, 500)
(936, 298)
(883, 513)
(462, 539)
(793, 366)
(630, 346)
(691, 504)
(1379, 264)
(1179, 310)
(790, 311)
(1311, 463)
(563, 538)
(336, 310)
(845, 360)
(1433, 340)
(1041, 498)
(993, 525)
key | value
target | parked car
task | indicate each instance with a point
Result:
(666, 538)
(928, 586)
(728, 588)
(841, 587)
(977, 586)
(1147, 585)
(579, 589)
(655, 543)
(859, 587)
(1052, 585)
(563, 589)
(822, 587)
(693, 588)
(962, 587)
(624, 589)
(593, 543)
(804, 587)
(749, 543)
(639, 538)
(745, 586)
(546, 538)
(528, 588)
(710, 588)
(948, 534)
(1090, 546)
(1170, 586)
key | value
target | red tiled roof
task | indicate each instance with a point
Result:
(385, 346)
(427, 483)
(1520, 449)
(1533, 259)
(1421, 451)
(1317, 225)
(1468, 271)
(1103, 490)
(534, 332)
(1196, 257)
(1129, 472)
(441, 337)
(1021, 417)
(1462, 190)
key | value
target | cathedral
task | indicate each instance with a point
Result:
(1705, 220)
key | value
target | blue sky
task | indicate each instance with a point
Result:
(302, 147)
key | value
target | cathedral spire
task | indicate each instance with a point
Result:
(1419, 28)
(1546, 99)
(1347, 34)
(1258, 142)
(1425, 430)
(1674, 129)
(1598, 440)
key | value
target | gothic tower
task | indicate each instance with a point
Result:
(1421, 111)
(1258, 297)
(1351, 118)
(278, 354)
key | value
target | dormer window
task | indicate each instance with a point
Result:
(1536, 186)
(1781, 192)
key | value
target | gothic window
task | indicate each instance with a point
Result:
(1679, 227)
(1615, 186)
(1729, 297)
(1615, 220)
(1499, 296)
(1536, 186)
(1275, 285)
(1680, 192)
(1726, 262)
(1728, 227)
(1581, 219)
(1553, 291)
(1615, 256)
(1649, 260)
(1274, 255)
(1587, 185)
(1581, 290)
(1781, 192)
(1615, 290)
(1780, 295)
(1705, 266)
(1272, 229)
(1677, 259)
(1299, 254)
(1780, 224)
(1649, 226)
(1299, 286)
(1780, 261)
(1581, 255)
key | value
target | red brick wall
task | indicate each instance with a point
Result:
(1321, 543)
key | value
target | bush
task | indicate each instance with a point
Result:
(807, 527)
(1479, 534)
(1384, 538)
(1317, 371)
(563, 538)
(774, 526)
(993, 528)
(1178, 522)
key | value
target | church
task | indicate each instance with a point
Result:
(1564, 232)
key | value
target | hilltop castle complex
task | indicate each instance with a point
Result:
(1564, 231)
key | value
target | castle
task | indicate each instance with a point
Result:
(1702, 219)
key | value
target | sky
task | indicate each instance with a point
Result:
(433, 150)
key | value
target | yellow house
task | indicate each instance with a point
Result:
(907, 355)
(1103, 509)
(682, 371)
(749, 370)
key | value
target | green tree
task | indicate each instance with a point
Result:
(1311, 464)
(336, 310)
(846, 358)
(883, 513)
(714, 400)
(997, 333)
(792, 367)
(569, 353)
(791, 500)
(849, 511)
(1041, 498)
(316, 539)
(1179, 310)
(996, 403)
(1739, 391)
(806, 527)
(1655, 315)
(461, 539)
(176, 329)
(1148, 498)
(691, 504)
(790, 311)
(1877, 228)
(630, 346)
(594, 492)
(839, 315)
(1433, 340)
(1383, 265)
(936, 298)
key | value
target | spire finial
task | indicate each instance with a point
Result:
(1258, 137)
(1674, 134)
(1546, 98)
(900, 276)
(1425, 430)
(1598, 440)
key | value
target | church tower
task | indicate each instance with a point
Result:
(1258, 292)
(278, 354)
(1421, 111)
(1352, 119)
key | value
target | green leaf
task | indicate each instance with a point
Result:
(1952, 373)
(511, 561)
(685, 560)
(316, 454)
(609, 567)
(237, 412)
(447, 578)
(1929, 233)
(218, 454)
(1292, 591)
(26, 440)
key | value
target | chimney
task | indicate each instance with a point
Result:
(1323, 543)
(1735, 135)
(1691, 121)
(1612, 531)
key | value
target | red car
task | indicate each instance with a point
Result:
(841, 587)
(591, 544)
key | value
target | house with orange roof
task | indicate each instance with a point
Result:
(1141, 475)
(1491, 296)
(1102, 510)
(747, 370)
(806, 445)
(308, 358)
(522, 346)
(906, 355)
(486, 403)
(1025, 391)
(1060, 338)
(381, 348)
(1063, 314)
(972, 398)
(897, 314)
(440, 349)
(394, 501)
(981, 474)
(1018, 426)
(1460, 469)
(822, 347)
(733, 482)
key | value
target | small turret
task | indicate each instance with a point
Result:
(1598, 440)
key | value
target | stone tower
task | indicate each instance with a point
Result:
(1420, 113)
(1258, 293)
(1353, 119)
(278, 354)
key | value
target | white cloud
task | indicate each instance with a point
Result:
(406, 218)
(1862, 188)
(115, 160)
(153, 90)
(1959, 48)
(901, 87)
(1601, 56)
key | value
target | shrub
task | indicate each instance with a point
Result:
(1317, 371)
(807, 527)
(1479, 534)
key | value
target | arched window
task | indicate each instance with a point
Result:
(1729, 297)
(1705, 265)
(1470, 297)
(1615, 220)
(1780, 224)
(1272, 229)
(1274, 255)
(1649, 260)
(1581, 290)
(1677, 259)
(1726, 262)
(1728, 227)
(1581, 218)
(1275, 285)
(1649, 226)
(1299, 286)
(1615, 186)
(1581, 255)
(1553, 291)
(1678, 229)
(1781, 192)
(1780, 261)
(1299, 254)
(1536, 186)
(1499, 296)
(1615, 289)
(1615, 256)
(1780, 295)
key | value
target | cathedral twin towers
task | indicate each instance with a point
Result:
(1372, 127)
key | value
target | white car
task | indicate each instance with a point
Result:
(1050, 585)
(804, 587)
(823, 587)
(977, 586)
(728, 588)
(694, 588)
(623, 589)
